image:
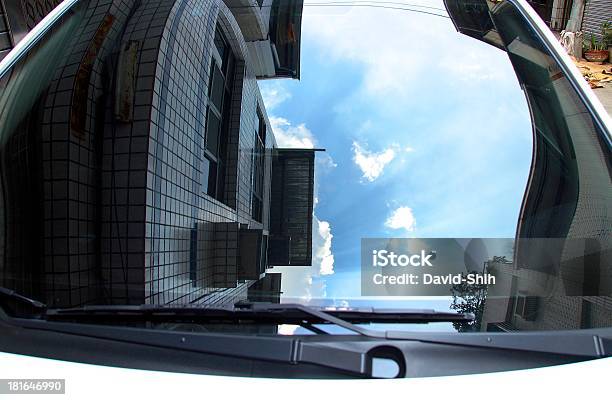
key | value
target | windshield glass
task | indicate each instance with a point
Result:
(206, 153)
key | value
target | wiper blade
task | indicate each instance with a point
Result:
(366, 314)
(8, 294)
(296, 314)
(346, 317)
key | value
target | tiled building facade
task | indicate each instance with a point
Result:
(155, 165)
(17, 17)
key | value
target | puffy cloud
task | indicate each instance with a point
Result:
(301, 284)
(323, 259)
(402, 218)
(274, 93)
(289, 136)
(306, 283)
(372, 164)
(287, 330)
(389, 49)
(324, 160)
(342, 304)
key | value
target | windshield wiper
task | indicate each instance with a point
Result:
(7, 295)
(293, 314)
(354, 355)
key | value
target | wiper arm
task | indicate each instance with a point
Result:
(353, 355)
(295, 314)
(8, 294)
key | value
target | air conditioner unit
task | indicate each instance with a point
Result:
(279, 250)
(253, 249)
(526, 307)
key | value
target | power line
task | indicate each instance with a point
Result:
(382, 7)
(372, 2)
(354, 4)
(388, 5)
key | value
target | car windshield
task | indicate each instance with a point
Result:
(426, 154)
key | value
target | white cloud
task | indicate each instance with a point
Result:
(305, 283)
(301, 284)
(274, 93)
(402, 218)
(289, 136)
(372, 164)
(322, 257)
(324, 160)
(287, 330)
(395, 50)
(471, 68)
(342, 304)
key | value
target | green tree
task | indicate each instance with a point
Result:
(469, 299)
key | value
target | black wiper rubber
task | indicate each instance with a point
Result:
(353, 355)
(258, 312)
(13, 295)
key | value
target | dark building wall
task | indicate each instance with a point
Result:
(20, 16)
(6, 40)
(267, 289)
(53, 190)
(103, 178)
(596, 12)
(176, 202)
(543, 8)
(72, 132)
(292, 204)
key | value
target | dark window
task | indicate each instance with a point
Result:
(209, 185)
(218, 86)
(258, 169)
(213, 129)
(193, 254)
(221, 44)
(217, 118)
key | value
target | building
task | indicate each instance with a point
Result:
(574, 15)
(18, 17)
(560, 276)
(148, 171)
(527, 299)
(580, 15)
(595, 13)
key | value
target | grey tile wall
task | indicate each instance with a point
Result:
(71, 161)
(119, 148)
(176, 204)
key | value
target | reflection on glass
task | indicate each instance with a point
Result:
(140, 165)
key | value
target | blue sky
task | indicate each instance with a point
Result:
(427, 135)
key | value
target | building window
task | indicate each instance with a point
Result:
(193, 255)
(258, 169)
(218, 117)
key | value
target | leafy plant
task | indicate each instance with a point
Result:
(469, 298)
(606, 33)
(594, 44)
